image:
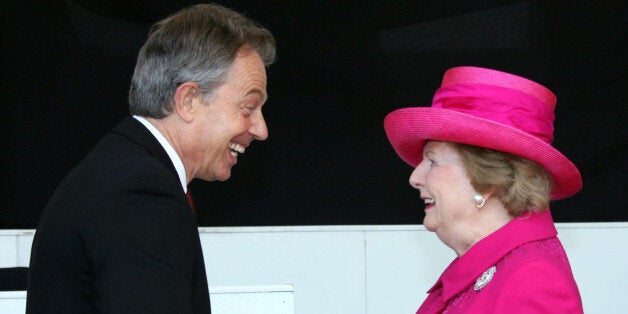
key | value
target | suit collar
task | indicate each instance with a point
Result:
(138, 133)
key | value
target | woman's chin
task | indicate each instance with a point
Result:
(429, 226)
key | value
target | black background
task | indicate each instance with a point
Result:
(342, 66)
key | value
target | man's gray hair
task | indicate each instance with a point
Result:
(197, 44)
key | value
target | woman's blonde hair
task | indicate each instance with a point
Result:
(520, 184)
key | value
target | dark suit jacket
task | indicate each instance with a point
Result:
(118, 235)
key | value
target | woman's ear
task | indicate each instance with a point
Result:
(184, 104)
(490, 192)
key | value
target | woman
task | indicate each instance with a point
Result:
(486, 170)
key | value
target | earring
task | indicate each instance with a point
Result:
(479, 200)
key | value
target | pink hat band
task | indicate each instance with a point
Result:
(506, 106)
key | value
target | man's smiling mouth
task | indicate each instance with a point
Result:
(236, 149)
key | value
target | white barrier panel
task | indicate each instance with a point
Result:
(15, 247)
(326, 265)
(224, 300)
(12, 302)
(372, 269)
(252, 300)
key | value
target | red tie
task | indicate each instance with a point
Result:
(191, 202)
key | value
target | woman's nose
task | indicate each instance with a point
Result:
(416, 178)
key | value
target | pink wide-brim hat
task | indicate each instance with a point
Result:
(491, 109)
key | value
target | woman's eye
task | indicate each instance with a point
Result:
(248, 110)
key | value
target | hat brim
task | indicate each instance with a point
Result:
(408, 129)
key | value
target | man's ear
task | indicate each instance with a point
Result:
(184, 104)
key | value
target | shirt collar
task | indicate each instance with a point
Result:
(465, 270)
(176, 160)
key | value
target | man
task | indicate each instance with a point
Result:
(118, 235)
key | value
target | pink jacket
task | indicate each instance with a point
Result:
(520, 268)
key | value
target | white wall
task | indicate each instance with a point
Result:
(372, 269)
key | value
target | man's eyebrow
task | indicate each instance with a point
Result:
(259, 92)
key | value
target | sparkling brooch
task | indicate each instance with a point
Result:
(485, 278)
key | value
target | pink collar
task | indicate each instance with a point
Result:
(465, 270)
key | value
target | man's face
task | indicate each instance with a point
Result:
(231, 119)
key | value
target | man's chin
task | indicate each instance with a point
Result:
(224, 176)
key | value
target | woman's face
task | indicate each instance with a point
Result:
(446, 190)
